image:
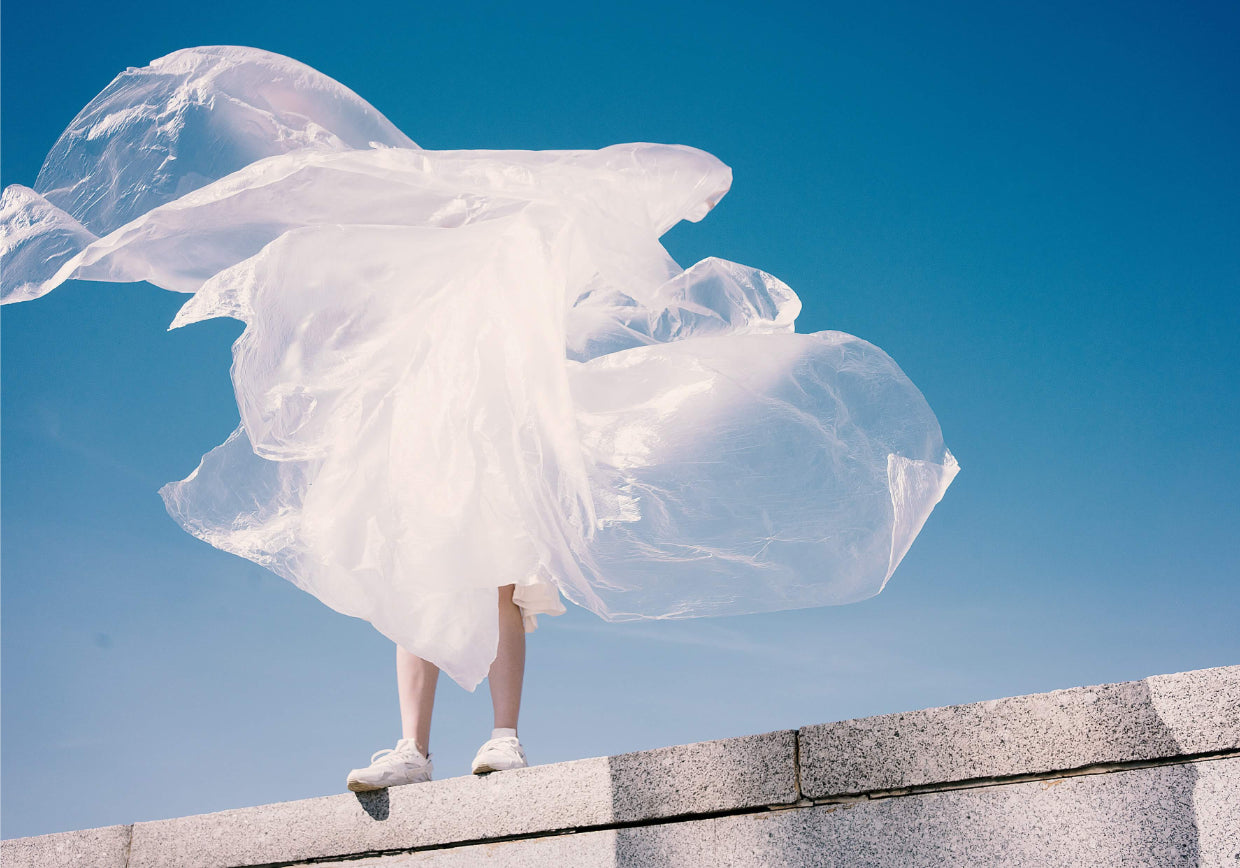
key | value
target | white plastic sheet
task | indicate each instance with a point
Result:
(467, 369)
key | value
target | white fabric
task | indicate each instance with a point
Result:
(467, 369)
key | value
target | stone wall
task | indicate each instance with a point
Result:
(1140, 773)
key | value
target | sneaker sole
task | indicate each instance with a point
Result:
(359, 787)
(486, 769)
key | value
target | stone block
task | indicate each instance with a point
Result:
(1164, 716)
(105, 847)
(1162, 817)
(705, 777)
(673, 781)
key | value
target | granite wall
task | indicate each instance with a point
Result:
(1140, 773)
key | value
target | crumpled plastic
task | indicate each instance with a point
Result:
(467, 369)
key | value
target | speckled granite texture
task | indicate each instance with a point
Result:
(1162, 817)
(1165, 817)
(1140, 773)
(1165, 716)
(107, 847)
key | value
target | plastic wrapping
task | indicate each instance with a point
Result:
(467, 369)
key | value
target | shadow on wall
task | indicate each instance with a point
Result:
(1161, 823)
(376, 804)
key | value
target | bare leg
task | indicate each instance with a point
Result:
(508, 668)
(415, 682)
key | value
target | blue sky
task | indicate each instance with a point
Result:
(1034, 208)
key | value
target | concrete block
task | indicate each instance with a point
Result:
(105, 847)
(1164, 716)
(1163, 817)
(671, 781)
(1216, 805)
(705, 777)
(471, 808)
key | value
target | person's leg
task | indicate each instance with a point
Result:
(415, 682)
(409, 762)
(508, 668)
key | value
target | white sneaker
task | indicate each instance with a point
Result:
(391, 767)
(498, 755)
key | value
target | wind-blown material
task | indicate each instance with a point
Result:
(467, 369)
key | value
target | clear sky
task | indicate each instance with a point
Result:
(1034, 208)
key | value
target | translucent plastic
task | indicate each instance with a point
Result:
(467, 369)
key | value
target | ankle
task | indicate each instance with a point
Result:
(504, 731)
(424, 750)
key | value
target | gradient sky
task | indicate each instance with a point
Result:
(1034, 208)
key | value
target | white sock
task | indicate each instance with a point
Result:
(501, 731)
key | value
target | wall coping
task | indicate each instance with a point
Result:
(1164, 719)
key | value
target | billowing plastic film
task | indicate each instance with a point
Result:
(467, 369)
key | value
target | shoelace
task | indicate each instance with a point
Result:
(387, 750)
(502, 742)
